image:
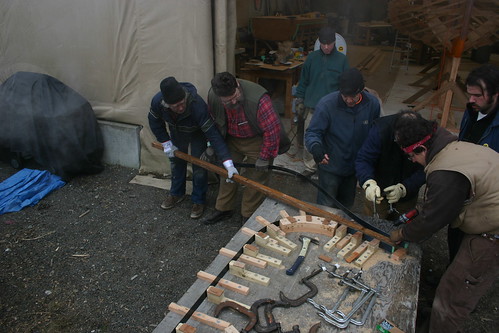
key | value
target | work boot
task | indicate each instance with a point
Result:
(171, 201)
(217, 216)
(197, 211)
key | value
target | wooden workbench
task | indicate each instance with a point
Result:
(364, 30)
(398, 282)
(290, 74)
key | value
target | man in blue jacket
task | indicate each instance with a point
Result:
(384, 170)
(339, 126)
(480, 123)
(189, 123)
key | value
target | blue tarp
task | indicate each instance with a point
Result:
(26, 188)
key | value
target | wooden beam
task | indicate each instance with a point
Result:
(282, 197)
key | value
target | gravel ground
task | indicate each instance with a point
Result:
(99, 255)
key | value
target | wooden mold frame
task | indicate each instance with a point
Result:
(349, 243)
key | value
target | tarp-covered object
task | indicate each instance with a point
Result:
(43, 118)
(26, 188)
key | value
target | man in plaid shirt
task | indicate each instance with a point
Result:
(246, 118)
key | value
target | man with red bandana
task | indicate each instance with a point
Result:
(462, 190)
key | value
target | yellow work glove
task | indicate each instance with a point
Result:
(396, 236)
(373, 192)
(395, 192)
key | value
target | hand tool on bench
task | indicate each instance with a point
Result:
(271, 324)
(240, 309)
(407, 217)
(313, 291)
(301, 256)
(359, 224)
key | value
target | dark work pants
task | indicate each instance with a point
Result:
(198, 143)
(342, 188)
(470, 275)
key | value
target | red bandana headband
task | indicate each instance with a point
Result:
(410, 148)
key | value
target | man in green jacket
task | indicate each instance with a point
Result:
(319, 76)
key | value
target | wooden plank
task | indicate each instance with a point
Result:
(238, 269)
(199, 316)
(217, 296)
(243, 257)
(238, 288)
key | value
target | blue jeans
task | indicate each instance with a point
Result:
(342, 188)
(197, 140)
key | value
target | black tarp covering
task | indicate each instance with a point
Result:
(43, 118)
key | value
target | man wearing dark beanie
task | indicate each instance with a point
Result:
(189, 123)
(338, 128)
(319, 76)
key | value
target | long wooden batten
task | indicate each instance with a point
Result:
(284, 198)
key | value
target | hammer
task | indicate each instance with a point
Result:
(301, 256)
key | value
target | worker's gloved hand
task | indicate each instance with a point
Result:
(231, 170)
(261, 165)
(209, 155)
(396, 236)
(169, 148)
(318, 153)
(373, 191)
(299, 107)
(395, 192)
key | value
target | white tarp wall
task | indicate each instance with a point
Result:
(116, 52)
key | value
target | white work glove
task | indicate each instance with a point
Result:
(395, 192)
(231, 170)
(373, 192)
(169, 148)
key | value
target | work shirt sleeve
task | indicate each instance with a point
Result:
(368, 156)
(216, 140)
(268, 121)
(446, 193)
(157, 125)
(317, 129)
(304, 79)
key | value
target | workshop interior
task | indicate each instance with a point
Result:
(293, 266)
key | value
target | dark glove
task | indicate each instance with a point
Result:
(209, 155)
(396, 236)
(299, 107)
(318, 153)
(261, 165)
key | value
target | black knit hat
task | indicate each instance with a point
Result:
(351, 82)
(327, 35)
(172, 90)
